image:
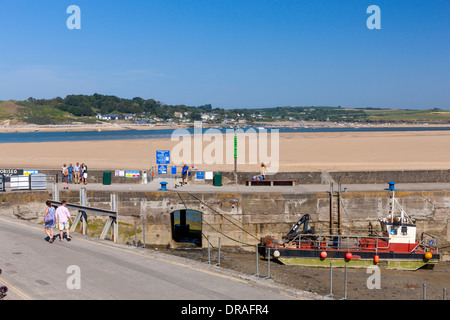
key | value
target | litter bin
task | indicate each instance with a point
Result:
(217, 179)
(107, 178)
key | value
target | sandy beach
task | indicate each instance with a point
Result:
(296, 151)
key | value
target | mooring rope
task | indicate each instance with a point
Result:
(224, 216)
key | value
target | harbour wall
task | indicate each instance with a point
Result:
(238, 219)
(347, 177)
(304, 177)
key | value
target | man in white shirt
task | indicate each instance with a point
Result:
(76, 173)
(62, 218)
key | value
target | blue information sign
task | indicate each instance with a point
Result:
(174, 170)
(162, 156)
(162, 169)
(200, 174)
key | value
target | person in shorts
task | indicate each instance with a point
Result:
(65, 178)
(63, 217)
(184, 173)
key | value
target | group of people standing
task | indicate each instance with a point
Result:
(74, 174)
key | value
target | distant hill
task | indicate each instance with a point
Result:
(22, 113)
(9, 112)
(84, 108)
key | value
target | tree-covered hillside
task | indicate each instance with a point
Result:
(85, 108)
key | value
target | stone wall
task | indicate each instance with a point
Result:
(348, 177)
(312, 177)
(241, 219)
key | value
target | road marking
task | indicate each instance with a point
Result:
(10, 287)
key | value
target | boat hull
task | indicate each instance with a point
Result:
(359, 259)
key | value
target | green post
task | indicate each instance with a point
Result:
(235, 146)
(235, 156)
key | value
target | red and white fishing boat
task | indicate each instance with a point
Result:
(394, 245)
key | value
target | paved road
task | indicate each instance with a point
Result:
(36, 269)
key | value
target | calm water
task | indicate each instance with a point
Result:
(157, 134)
(191, 215)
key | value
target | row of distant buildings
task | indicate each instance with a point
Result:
(180, 116)
(130, 116)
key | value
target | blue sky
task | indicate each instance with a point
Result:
(230, 53)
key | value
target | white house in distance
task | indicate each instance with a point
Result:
(109, 117)
(128, 116)
(208, 116)
(178, 115)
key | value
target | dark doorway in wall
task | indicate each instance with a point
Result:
(187, 226)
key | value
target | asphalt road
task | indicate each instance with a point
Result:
(87, 269)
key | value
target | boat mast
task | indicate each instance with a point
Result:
(392, 200)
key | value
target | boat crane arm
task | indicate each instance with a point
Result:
(293, 232)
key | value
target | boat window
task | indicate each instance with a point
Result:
(404, 230)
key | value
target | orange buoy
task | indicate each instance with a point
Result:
(348, 256)
(376, 258)
(428, 255)
(323, 254)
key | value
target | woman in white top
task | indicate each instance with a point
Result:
(84, 173)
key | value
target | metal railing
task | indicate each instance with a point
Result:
(428, 242)
(321, 240)
(111, 223)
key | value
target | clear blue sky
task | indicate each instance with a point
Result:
(230, 53)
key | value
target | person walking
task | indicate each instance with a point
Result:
(49, 221)
(62, 217)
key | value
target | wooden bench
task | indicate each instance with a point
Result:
(271, 183)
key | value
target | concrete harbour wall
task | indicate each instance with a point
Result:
(313, 177)
(348, 177)
(239, 219)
